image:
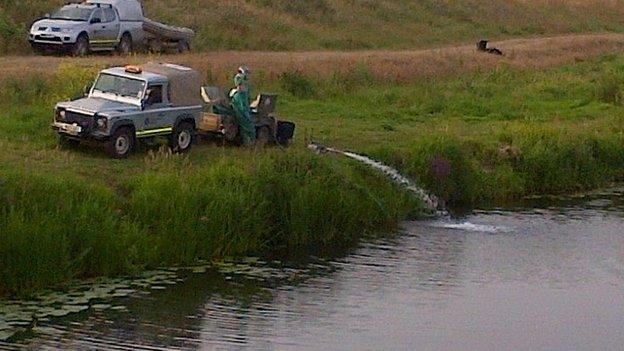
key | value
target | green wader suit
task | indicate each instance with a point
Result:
(240, 104)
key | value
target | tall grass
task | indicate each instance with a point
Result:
(54, 228)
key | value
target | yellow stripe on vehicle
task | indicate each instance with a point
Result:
(153, 131)
(103, 41)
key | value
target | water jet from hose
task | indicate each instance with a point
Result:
(431, 201)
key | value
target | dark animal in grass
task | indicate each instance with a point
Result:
(482, 45)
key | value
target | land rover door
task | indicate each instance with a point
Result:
(157, 117)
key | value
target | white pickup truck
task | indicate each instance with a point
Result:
(104, 25)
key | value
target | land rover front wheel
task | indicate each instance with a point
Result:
(182, 138)
(121, 143)
(66, 142)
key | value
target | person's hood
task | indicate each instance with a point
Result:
(97, 105)
(55, 25)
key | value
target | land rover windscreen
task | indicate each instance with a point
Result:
(119, 88)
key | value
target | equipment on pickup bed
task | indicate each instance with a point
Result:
(104, 25)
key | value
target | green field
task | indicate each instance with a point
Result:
(286, 25)
(489, 136)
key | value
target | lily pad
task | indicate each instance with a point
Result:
(124, 291)
(22, 323)
(199, 270)
(6, 334)
(45, 312)
(79, 301)
(251, 259)
(46, 330)
(59, 313)
(75, 308)
(168, 282)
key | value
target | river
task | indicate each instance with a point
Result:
(547, 274)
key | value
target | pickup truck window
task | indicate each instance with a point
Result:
(109, 15)
(120, 86)
(72, 14)
(97, 14)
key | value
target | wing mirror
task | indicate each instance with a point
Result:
(96, 20)
(47, 15)
(87, 89)
(145, 99)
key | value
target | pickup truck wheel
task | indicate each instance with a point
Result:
(81, 48)
(183, 46)
(121, 143)
(182, 138)
(125, 45)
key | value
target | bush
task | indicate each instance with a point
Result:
(296, 83)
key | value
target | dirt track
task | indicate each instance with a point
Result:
(398, 66)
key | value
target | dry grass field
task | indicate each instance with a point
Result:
(385, 66)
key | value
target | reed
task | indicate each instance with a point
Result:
(58, 227)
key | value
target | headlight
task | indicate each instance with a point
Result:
(102, 123)
(59, 114)
(66, 30)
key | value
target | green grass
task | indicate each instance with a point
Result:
(284, 25)
(504, 133)
(488, 136)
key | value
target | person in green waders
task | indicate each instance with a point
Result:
(240, 105)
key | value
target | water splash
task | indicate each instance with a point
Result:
(469, 227)
(429, 200)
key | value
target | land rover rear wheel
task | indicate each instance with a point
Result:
(121, 143)
(182, 138)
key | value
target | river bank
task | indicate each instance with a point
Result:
(503, 281)
(487, 135)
